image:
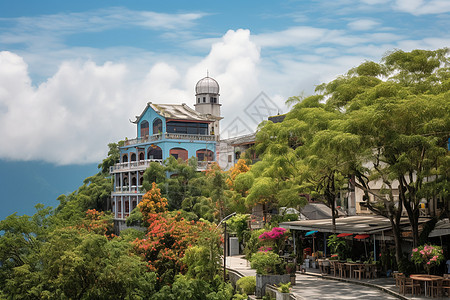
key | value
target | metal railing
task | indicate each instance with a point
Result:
(171, 136)
(127, 190)
(133, 165)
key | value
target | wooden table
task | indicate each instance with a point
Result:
(425, 278)
(351, 265)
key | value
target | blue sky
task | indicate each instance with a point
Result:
(72, 73)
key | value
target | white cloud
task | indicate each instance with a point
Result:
(362, 24)
(86, 103)
(423, 7)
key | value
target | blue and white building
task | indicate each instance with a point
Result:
(164, 130)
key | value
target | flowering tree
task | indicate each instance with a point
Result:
(428, 256)
(152, 202)
(97, 222)
(165, 244)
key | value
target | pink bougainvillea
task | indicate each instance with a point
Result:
(275, 233)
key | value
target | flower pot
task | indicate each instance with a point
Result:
(263, 280)
(283, 296)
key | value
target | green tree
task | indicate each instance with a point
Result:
(399, 110)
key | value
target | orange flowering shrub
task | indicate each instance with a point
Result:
(97, 222)
(238, 168)
(166, 241)
(152, 202)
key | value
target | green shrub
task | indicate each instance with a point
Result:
(284, 287)
(267, 263)
(240, 297)
(252, 242)
(246, 285)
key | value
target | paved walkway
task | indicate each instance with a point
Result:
(312, 285)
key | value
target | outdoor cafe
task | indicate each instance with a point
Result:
(369, 237)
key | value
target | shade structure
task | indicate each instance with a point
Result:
(310, 232)
(361, 236)
(344, 234)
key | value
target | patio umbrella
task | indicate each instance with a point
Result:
(362, 237)
(310, 232)
(344, 234)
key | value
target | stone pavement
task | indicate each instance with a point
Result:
(312, 285)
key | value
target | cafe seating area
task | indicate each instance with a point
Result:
(423, 285)
(344, 269)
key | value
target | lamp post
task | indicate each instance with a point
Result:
(225, 244)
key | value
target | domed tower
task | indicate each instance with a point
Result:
(207, 100)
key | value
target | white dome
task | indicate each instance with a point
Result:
(207, 85)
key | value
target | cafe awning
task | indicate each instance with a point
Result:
(361, 224)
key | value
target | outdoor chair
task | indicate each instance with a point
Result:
(333, 267)
(359, 271)
(435, 288)
(397, 277)
(341, 268)
(407, 284)
(446, 286)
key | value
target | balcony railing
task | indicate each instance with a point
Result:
(170, 136)
(126, 190)
(133, 165)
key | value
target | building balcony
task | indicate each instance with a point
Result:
(144, 164)
(170, 136)
(133, 165)
(128, 190)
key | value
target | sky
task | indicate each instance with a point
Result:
(74, 73)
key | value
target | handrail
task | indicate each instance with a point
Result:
(171, 136)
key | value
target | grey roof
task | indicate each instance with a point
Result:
(277, 119)
(244, 139)
(177, 112)
(362, 224)
(442, 228)
(316, 211)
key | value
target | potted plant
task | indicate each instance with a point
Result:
(270, 269)
(283, 291)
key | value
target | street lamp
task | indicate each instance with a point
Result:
(225, 244)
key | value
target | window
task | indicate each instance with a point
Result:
(187, 128)
(157, 126)
(125, 158)
(144, 129)
(154, 152)
(198, 100)
(204, 99)
(230, 158)
(133, 156)
(205, 155)
(179, 153)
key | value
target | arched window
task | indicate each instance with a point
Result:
(133, 156)
(125, 158)
(179, 153)
(144, 129)
(205, 155)
(154, 152)
(157, 126)
(133, 181)
(141, 156)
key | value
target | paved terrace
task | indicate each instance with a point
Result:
(313, 285)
